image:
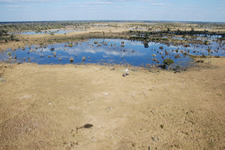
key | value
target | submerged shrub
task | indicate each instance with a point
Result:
(71, 59)
(70, 45)
(54, 53)
(206, 42)
(168, 61)
(83, 59)
(9, 54)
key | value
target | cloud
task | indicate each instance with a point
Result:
(161, 4)
(84, 6)
(74, 3)
(98, 3)
(29, 1)
(130, 0)
(11, 6)
(104, 2)
(95, 4)
(158, 4)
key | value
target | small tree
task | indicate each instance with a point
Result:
(206, 42)
(146, 36)
(12, 37)
(146, 44)
(9, 54)
(168, 29)
(3, 32)
(70, 44)
(153, 56)
(168, 62)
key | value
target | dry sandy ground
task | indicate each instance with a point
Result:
(46, 106)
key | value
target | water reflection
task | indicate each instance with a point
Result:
(46, 32)
(114, 51)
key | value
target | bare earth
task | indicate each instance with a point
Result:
(46, 107)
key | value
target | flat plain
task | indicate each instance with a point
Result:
(94, 107)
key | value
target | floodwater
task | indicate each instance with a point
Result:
(45, 32)
(113, 51)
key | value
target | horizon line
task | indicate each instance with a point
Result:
(111, 21)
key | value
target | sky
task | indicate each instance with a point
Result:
(151, 10)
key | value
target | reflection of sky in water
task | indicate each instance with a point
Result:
(134, 52)
(43, 32)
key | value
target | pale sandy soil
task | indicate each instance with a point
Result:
(44, 106)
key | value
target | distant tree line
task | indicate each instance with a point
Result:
(5, 36)
(38, 26)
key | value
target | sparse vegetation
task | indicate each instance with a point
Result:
(70, 44)
(75, 91)
(168, 61)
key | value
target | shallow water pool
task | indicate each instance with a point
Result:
(113, 51)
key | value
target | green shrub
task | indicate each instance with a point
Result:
(168, 61)
(206, 42)
(70, 45)
(9, 54)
